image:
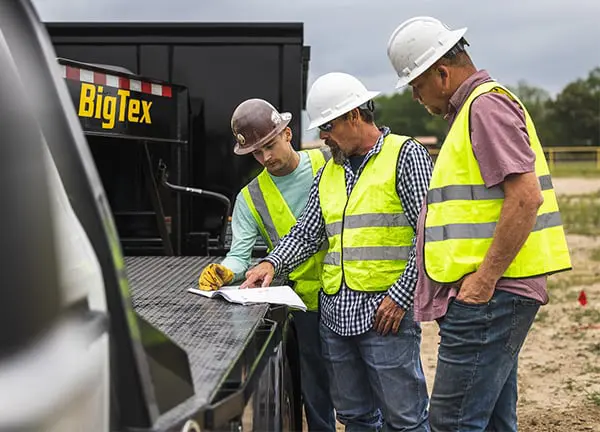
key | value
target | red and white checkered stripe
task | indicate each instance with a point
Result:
(78, 74)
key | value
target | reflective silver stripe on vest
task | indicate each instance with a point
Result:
(332, 258)
(483, 230)
(324, 246)
(474, 192)
(261, 207)
(326, 153)
(377, 253)
(367, 220)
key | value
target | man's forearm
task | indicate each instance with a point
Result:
(517, 219)
(237, 266)
(291, 251)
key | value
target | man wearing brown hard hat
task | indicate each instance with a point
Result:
(269, 206)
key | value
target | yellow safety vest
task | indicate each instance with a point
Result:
(462, 212)
(275, 219)
(369, 235)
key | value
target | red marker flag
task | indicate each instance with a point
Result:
(582, 298)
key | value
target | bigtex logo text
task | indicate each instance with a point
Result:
(92, 103)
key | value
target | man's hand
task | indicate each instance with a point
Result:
(388, 316)
(476, 289)
(214, 276)
(259, 276)
(522, 199)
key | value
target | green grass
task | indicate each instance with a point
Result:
(595, 254)
(541, 316)
(587, 169)
(581, 213)
(551, 369)
(592, 369)
(594, 398)
(587, 316)
(594, 348)
(571, 296)
(571, 279)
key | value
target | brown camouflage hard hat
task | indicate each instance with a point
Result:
(254, 123)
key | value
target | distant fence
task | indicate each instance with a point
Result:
(553, 154)
(558, 154)
(570, 154)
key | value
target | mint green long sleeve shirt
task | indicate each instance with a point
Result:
(294, 188)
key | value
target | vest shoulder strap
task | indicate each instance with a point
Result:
(318, 158)
(255, 201)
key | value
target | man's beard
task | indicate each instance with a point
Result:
(336, 152)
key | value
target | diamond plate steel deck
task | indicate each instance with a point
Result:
(213, 332)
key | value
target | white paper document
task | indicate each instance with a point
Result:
(283, 295)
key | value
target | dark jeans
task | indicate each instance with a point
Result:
(475, 386)
(369, 371)
(313, 374)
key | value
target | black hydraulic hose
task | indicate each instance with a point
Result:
(199, 192)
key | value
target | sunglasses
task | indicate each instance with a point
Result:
(369, 105)
(326, 127)
(329, 125)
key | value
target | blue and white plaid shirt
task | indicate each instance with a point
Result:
(349, 312)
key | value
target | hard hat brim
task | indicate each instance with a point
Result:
(355, 104)
(417, 72)
(285, 116)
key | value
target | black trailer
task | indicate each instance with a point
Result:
(170, 190)
(155, 101)
(224, 355)
(220, 65)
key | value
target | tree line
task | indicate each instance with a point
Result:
(571, 118)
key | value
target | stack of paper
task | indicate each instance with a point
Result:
(282, 295)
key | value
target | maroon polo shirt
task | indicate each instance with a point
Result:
(501, 147)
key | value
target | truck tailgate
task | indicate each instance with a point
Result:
(213, 332)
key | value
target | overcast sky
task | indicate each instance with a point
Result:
(547, 43)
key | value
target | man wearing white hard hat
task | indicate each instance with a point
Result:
(363, 207)
(489, 233)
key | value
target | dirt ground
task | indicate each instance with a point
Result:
(559, 366)
(566, 186)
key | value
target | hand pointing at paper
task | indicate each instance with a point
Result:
(259, 276)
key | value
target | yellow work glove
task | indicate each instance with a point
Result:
(214, 276)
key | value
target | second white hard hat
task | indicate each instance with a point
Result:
(334, 94)
(417, 44)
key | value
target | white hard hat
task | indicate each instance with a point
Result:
(334, 94)
(418, 43)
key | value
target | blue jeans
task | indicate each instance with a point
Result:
(369, 371)
(313, 374)
(475, 386)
